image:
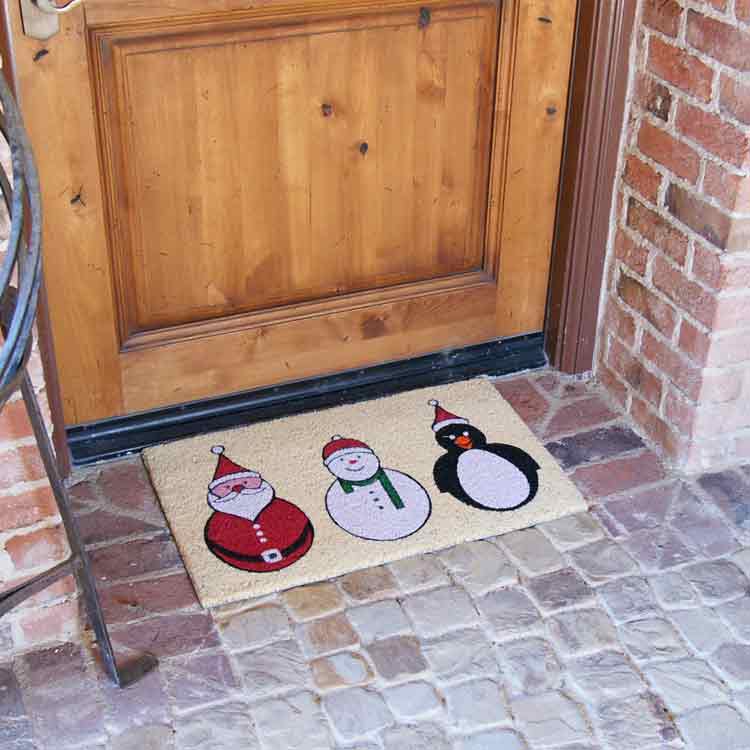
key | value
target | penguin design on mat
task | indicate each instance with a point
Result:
(488, 476)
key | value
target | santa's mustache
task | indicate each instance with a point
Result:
(247, 492)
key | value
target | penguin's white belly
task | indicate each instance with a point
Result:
(492, 481)
(368, 512)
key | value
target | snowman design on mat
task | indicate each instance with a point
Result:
(368, 501)
(251, 528)
(488, 476)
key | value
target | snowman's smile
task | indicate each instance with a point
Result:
(351, 468)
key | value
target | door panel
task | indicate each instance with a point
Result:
(267, 197)
(212, 226)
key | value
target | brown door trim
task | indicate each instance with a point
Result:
(595, 115)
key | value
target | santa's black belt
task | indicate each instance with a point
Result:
(291, 549)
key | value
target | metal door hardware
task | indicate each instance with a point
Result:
(40, 17)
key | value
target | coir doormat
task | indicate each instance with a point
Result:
(306, 498)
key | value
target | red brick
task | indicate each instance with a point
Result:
(14, 423)
(619, 475)
(694, 342)
(136, 558)
(62, 588)
(703, 218)
(631, 253)
(168, 635)
(529, 404)
(662, 15)
(664, 148)
(634, 373)
(717, 4)
(681, 371)
(20, 465)
(742, 10)
(685, 293)
(126, 484)
(124, 602)
(620, 323)
(654, 310)
(731, 190)
(713, 133)
(612, 384)
(653, 96)
(706, 266)
(17, 511)
(642, 178)
(656, 428)
(58, 622)
(580, 415)
(104, 526)
(680, 68)
(657, 230)
(725, 43)
(41, 547)
(735, 99)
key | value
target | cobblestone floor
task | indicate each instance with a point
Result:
(627, 627)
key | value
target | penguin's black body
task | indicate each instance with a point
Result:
(460, 439)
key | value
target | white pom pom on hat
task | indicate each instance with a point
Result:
(433, 402)
(217, 450)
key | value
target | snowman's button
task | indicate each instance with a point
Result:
(256, 525)
(259, 533)
(263, 540)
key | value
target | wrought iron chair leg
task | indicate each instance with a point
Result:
(127, 673)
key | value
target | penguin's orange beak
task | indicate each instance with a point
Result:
(462, 441)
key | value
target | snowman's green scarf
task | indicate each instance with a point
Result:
(378, 476)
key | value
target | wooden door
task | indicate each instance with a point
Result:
(242, 194)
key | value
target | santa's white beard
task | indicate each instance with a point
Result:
(246, 504)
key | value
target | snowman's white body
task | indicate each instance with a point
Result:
(368, 511)
(492, 481)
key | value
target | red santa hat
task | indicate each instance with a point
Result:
(340, 446)
(227, 469)
(443, 417)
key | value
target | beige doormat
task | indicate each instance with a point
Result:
(306, 498)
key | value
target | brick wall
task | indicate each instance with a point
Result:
(675, 328)
(31, 539)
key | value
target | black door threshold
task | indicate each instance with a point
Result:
(112, 438)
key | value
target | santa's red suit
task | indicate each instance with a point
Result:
(276, 536)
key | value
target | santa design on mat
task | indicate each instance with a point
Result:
(251, 528)
(368, 501)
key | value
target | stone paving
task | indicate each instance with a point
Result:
(627, 627)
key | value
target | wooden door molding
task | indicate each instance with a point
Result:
(593, 132)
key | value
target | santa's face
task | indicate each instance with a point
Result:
(241, 496)
(354, 467)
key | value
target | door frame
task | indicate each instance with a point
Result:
(599, 79)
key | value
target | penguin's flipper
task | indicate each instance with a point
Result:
(442, 473)
(517, 456)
